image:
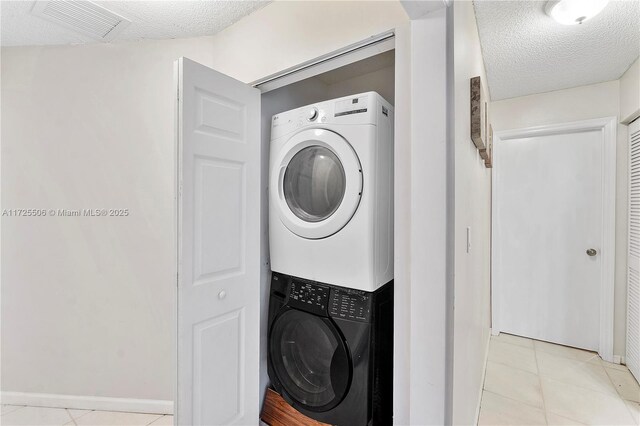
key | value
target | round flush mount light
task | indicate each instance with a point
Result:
(571, 12)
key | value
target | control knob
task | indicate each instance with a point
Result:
(312, 114)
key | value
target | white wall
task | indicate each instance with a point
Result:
(472, 209)
(287, 33)
(422, 173)
(630, 93)
(88, 303)
(581, 103)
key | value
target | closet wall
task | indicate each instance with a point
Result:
(372, 74)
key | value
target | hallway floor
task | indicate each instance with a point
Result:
(529, 382)
(15, 415)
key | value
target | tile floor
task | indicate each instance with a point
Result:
(529, 382)
(15, 415)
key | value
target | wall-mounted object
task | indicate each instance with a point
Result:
(487, 154)
(478, 114)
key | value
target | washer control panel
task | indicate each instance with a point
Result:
(350, 304)
(327, 300)
(308, 296)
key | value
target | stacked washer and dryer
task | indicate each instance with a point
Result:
(330, 343)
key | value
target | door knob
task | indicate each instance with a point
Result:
(591, 252)
(222, 295)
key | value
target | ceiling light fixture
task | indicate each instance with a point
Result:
(571, 12)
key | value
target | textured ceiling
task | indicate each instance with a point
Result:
(150, 20)
(525, 51)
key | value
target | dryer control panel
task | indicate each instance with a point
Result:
(362, 108)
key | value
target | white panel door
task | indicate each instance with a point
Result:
(548, 236)
(633, 274)
(218, 248)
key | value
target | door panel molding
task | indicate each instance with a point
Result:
(218, 247)
(607, 126)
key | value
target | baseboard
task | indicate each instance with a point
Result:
(618, 359)
(150, 406)
(484, 372)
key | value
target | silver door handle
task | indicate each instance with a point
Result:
(591, 252)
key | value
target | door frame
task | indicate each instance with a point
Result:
(427, 308)
(423, 314)
(607, 125)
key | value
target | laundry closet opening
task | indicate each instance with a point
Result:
(371, 71)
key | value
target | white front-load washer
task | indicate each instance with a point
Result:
(331, 192)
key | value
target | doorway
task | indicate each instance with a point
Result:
(224, 133)
(553, 234)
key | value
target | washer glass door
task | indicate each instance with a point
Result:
(310, 359)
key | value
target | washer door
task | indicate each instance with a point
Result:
(310, 359)
(319, 181)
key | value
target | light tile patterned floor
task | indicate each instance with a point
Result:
(14, 415)
(529, 382)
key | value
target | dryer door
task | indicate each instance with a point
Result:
(310, 359)
(319, 183)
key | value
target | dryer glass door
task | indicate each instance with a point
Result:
(310, 359)
(314, 183)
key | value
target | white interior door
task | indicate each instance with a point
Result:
(550, 216)
(218, 248)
